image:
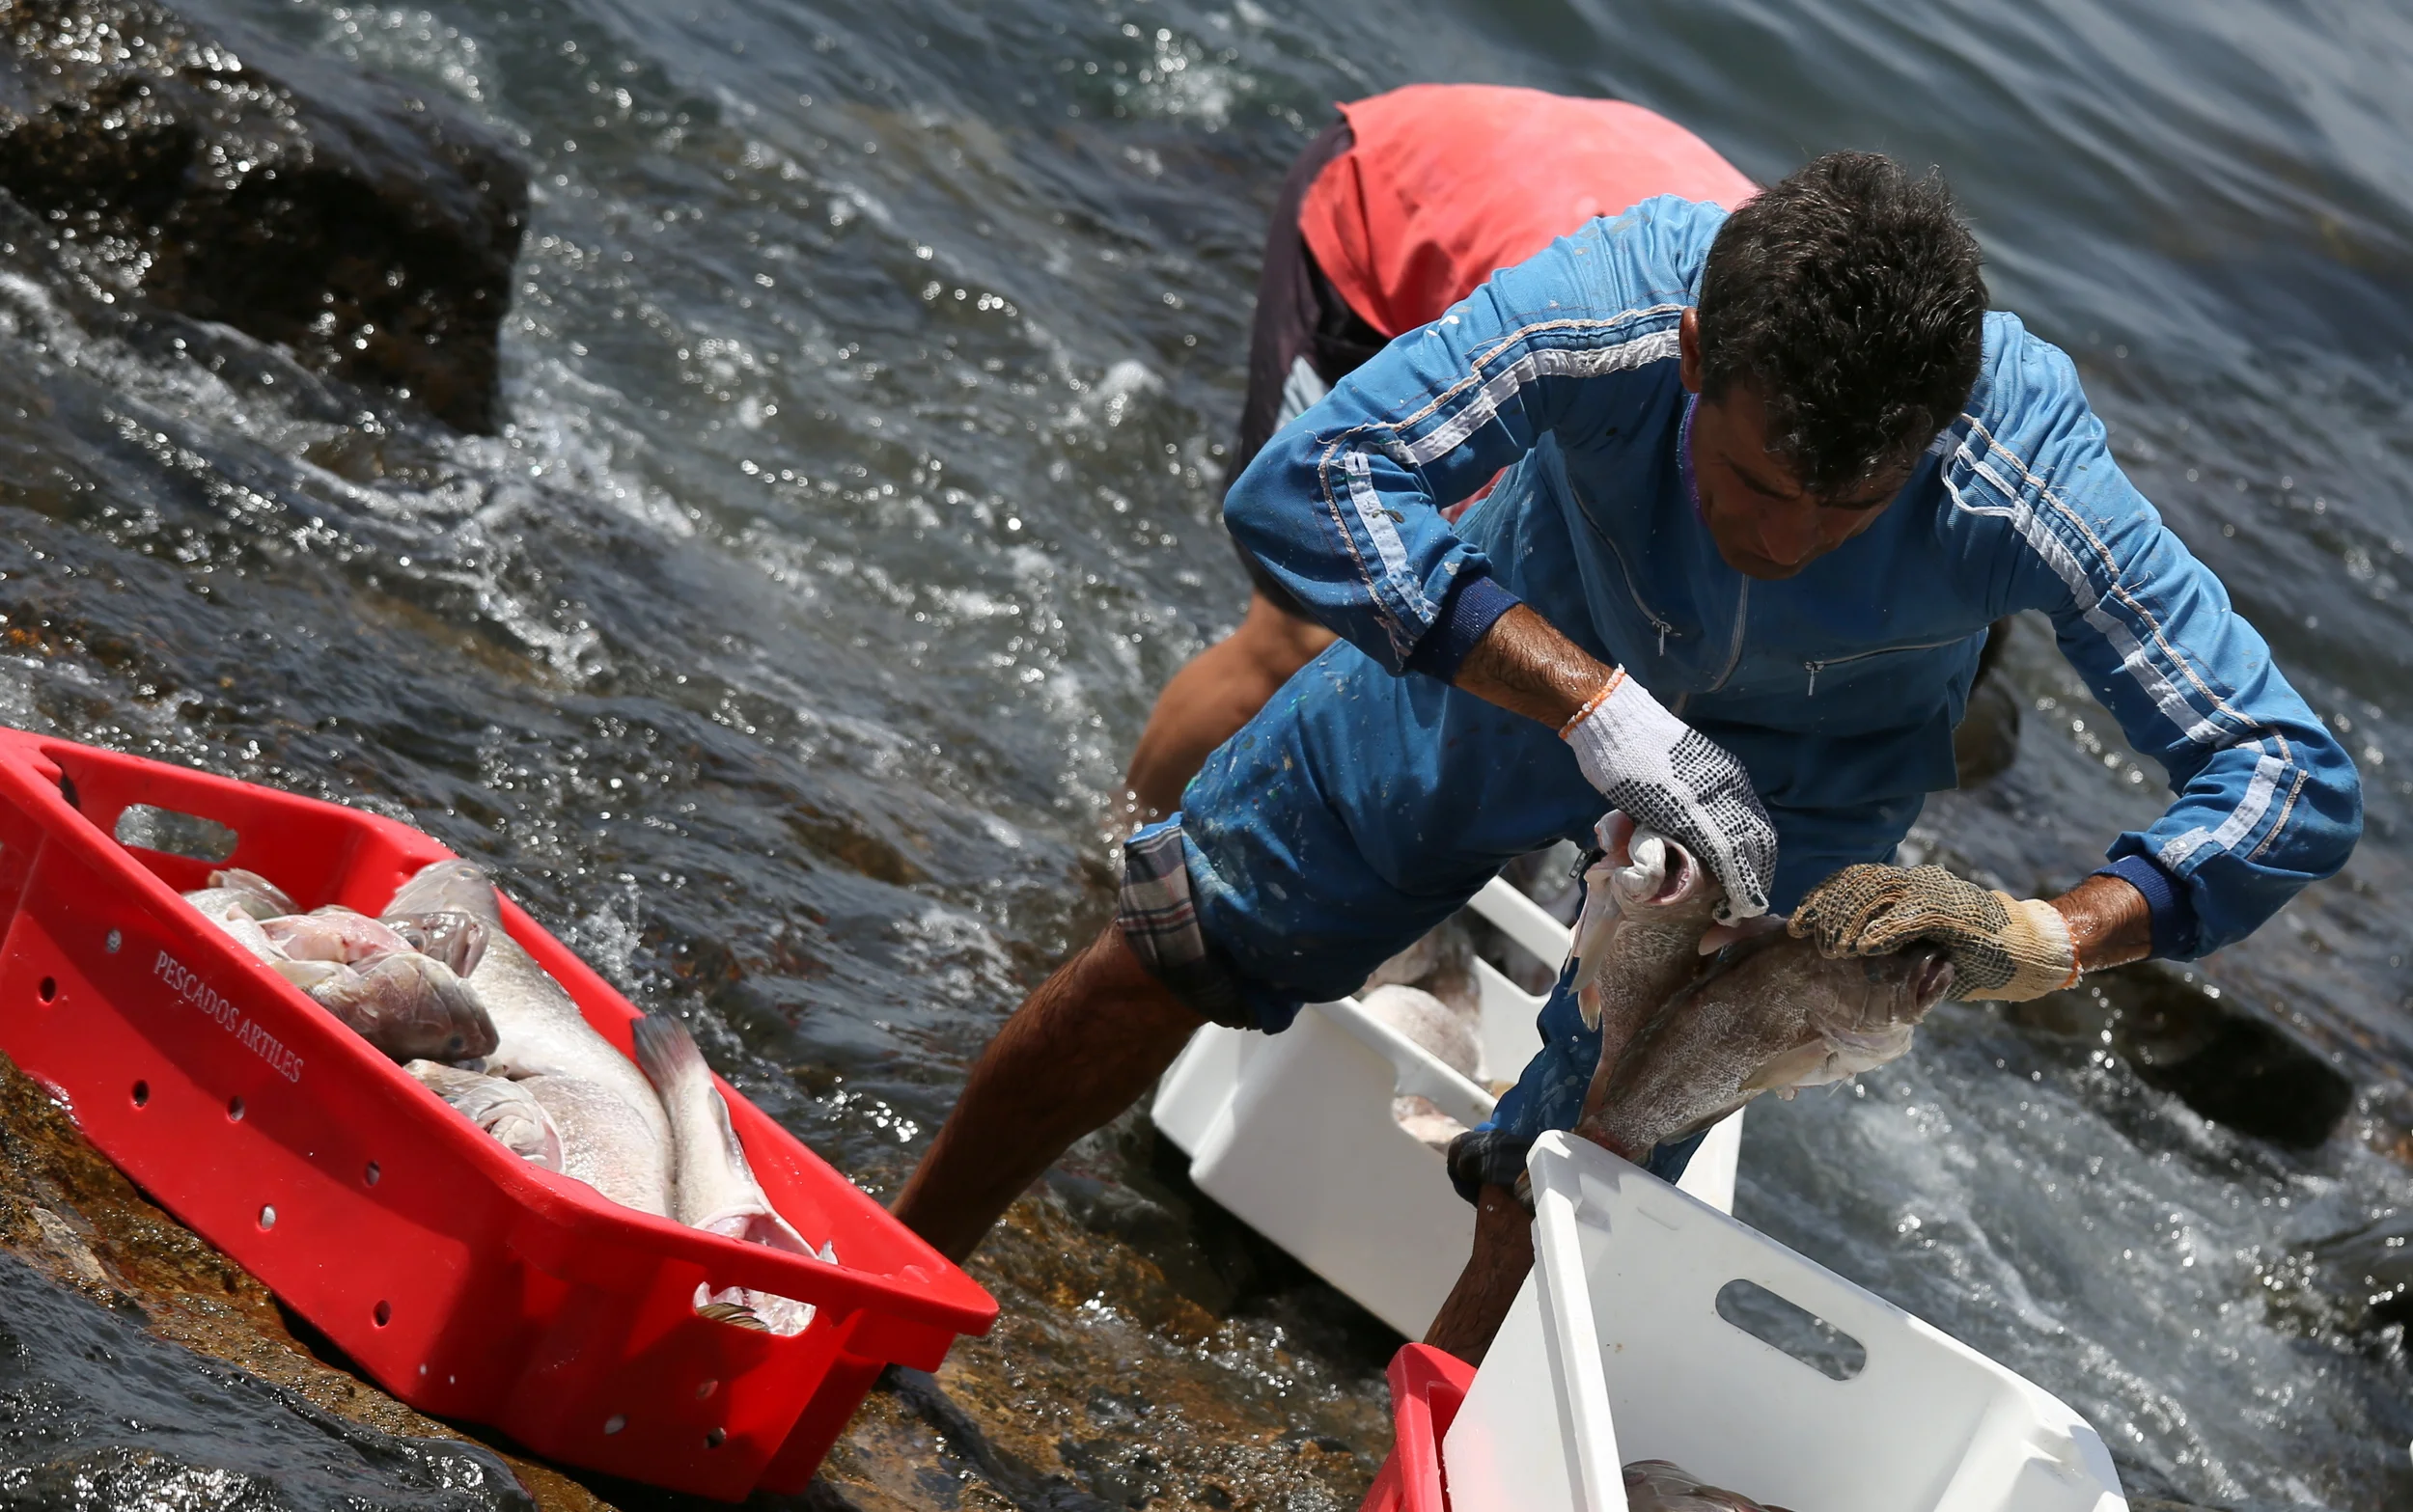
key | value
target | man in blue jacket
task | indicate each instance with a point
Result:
(1770, 477)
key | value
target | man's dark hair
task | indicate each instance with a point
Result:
(1849, 298)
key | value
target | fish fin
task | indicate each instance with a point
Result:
(735, 1314)
(1789, 1068)
(1588, 1005)
(667, 1053)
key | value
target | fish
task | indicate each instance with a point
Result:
(715, 1190)
(504, 1108)
(407, 1005)
(1638, 940)
(457, 939)
(615, 1136)
(333, 934)
(262, 898)
(230, 911)
(1445, 1030)
(404, 1004)
(1772, 1015)
(1662, 1486)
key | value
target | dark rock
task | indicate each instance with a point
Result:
(2228, 1059)
(1987, 740)
(362, 227)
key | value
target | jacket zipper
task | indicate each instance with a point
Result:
(1649, 614)
(1817, 668)
(1734, 650)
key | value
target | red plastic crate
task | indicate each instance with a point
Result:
(1426, 1387)
(463, 1280)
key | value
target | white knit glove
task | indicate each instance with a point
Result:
(1671, 777)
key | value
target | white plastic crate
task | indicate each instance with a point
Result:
(1616, 1350)
(1293, 1132)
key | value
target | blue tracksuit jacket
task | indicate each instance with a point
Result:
(1838, 689)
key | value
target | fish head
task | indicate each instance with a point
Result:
(1900, 988)
(411, 1006)
(457, 939)
(459, 886)
(1660, 876)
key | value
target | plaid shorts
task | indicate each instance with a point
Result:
(1159, 922)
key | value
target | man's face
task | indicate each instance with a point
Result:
(1764, 524)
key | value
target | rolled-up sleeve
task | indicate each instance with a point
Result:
(1344, 505)
(2266, 798)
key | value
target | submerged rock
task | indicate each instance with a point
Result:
(364, 228)
(2227, 1058)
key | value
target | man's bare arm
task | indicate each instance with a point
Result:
(2110, 923)
(1526, 666)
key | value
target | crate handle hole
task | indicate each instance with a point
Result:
(1791, 1330)
(615, 1423)
(142, 1094)
(49, 989)
(267, 1217)
(383, 1313)
(153, 828)
(716, 1437)
(234, 1110)
(372, 1174)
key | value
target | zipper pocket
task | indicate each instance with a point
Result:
(1816, 667)
(1649, 614)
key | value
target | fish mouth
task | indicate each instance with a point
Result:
(1934, 979)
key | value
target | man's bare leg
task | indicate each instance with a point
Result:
(1080, 1050)
(1220, 690)
(1504, 1253)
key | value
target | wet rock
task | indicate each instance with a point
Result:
(2228, 1059)
(366, 230)
(114, 1314)
(1987, 740)
(2369, 1274)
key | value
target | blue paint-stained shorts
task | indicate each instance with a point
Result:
(1356, 811)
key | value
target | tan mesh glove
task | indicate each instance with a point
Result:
(2000, 947)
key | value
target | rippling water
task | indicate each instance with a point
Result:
(866, 376)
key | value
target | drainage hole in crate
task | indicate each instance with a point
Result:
(234, 1110)
(372, 1174)
(268, 1217)
(706, 1390)
(1792, 1329)
(142, 1094)
(178, 833)
(49, 989)
(614, 1423)
(384, 1314)
(115, 942)
(716, 1437)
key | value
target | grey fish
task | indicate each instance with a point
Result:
(1443, 1029)
(715, 1189)
(505, 1109)
(231, 911)
(1773, 1015)
(541, 1038)
(1660, 1486)
(457, 940)
(407, 1005)
(333, 934)
(1637, 942)
(262, 898)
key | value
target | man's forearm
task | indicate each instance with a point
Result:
(1525, 666)
(2110, 923)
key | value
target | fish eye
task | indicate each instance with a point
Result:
(457, 1044)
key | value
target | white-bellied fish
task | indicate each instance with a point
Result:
(715, 1190)
(504, 1108)
(615, 1136)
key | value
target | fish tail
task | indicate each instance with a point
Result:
(666, 1052)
